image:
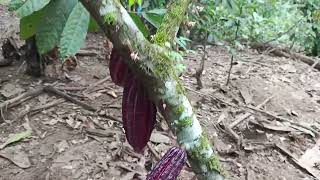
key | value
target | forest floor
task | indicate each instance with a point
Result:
(278, 139)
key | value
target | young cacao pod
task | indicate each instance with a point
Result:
(138, 114)
(170, 165)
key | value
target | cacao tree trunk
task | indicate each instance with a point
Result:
(34, 67)
(153, 64)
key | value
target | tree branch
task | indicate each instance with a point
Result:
(154, 67)
(171, 22)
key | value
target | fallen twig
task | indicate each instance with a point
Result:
(113, 118)
(203, 59)
(155, 154)
(17, 100)
(71, 88)
(96, 84)
(212, 97)
(32, 93)
(51, 89)
(234, 135)
(86, 53)
(101, 133)
(246, 115)
(39, 108)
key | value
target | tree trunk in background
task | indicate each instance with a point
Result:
(33, 61)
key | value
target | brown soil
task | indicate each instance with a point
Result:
(61, 148)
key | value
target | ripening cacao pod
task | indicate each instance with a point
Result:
(169, 166)
(138, 114)
(119, 70)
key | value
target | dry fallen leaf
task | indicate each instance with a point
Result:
(16, 156)
(62, 146)
(112, 94)
(311, 158)
(10, 90)
(157, 137)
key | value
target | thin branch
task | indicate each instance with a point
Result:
(235, 38)
(203, 59)
(10, 102)
(246, 115)
(51, 89)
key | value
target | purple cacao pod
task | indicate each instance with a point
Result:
(170, 166)
(119, 70)
(138, 114)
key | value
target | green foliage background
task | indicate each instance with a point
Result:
(281, 21)
(64, 24)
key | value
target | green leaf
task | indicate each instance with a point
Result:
(93, 25)
(15, 138)
(15, 4)
(153, 18)
(75, 31)
(31, 6)
(29, 24)
(140, 24)
(131, 3)
(52, 24)
(139, 2)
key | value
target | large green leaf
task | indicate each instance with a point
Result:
(15, 4)
(31, 6)
(153, 18)
(139, 24)
(93, 25)
(131, 3)
(29, 24)
(53, 23)
(75, 31)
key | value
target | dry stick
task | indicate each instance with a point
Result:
(86, 53)
(232, 57)
(51, 89)
(212, 97)
(31, 93)
(156, 155)
(234, 135)
(101, 133)
(230, 69)
(284, 151)
(246, 115)
(113, 118)
(17, 100)
(71, 88)
(96, 84)
(48, 105)
(201, 68)
(39, 108)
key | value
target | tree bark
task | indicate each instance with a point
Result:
(154, 66)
